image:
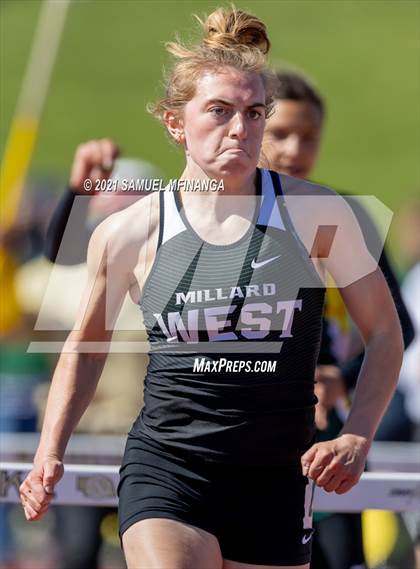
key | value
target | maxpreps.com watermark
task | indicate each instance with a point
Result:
(203, 365)
(153, 185)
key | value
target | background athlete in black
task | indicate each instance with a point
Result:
(292, 142)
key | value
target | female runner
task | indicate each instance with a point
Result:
(219, 466)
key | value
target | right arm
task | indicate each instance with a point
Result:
(77, 373)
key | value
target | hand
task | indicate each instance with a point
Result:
(93, 160)
(37, 490)
(336, 465)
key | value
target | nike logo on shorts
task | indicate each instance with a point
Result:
(256, 265)
(306, 538)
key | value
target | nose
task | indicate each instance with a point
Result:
(291, 146)
(238, 127)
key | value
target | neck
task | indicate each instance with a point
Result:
(233, 184)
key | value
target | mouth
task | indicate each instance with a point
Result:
(236, 150)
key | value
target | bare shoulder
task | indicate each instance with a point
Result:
(298, 187)
(327, 226)
(312, 206)
(123, 235)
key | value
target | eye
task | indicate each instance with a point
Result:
(218, 111)
(254, 114)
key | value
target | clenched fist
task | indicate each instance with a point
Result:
(37, 490)
(336, 465)
(93, 160)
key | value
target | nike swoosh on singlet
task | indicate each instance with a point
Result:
(256, 265)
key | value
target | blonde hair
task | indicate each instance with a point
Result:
(231, 38)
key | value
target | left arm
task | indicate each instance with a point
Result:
(376, 246)
(338, 464)
(351, 368)
(371, 307)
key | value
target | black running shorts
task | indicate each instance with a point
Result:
(259, 514)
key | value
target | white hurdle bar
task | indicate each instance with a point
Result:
(109, 449)
(88, 485)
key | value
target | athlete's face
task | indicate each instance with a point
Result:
(223, 124)
(292, 137)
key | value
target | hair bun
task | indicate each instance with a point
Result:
(230, 39)
(226, 29)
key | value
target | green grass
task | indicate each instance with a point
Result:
(364, 56)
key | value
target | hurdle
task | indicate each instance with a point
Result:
(92, 480)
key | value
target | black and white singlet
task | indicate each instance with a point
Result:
(216, 316)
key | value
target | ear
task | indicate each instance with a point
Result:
(175, 126)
